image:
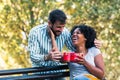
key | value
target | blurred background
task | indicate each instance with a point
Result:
(17, 17)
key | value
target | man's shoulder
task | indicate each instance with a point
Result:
(65, 33)
(66, 30)
(38, 28)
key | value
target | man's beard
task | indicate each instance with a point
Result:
(54, 32)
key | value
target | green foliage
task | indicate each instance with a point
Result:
(17, 17)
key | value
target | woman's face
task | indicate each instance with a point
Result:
(77, 37)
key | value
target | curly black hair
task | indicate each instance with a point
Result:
(57, 15)
(88, 32)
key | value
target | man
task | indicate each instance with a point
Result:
(40, 46)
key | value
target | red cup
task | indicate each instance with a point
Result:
(72, 56)
(66, 57)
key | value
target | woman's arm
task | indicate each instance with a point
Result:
(54, 44)
(98, 69)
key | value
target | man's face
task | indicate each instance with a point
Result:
(57, 28)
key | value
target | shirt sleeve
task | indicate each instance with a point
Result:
(96, 51)
(68, 41)
(33, 48)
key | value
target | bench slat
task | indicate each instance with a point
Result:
(27, 76)
(31, 70)
(35, 77)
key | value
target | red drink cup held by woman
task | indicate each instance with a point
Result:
(72, 56)
(66, 57)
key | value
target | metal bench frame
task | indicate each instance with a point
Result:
(26, 73)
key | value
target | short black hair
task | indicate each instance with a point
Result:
(88, 32)
(57, 15)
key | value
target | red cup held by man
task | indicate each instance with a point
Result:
(66, 57)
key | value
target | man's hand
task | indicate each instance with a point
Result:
(98, 43)
(54, 55)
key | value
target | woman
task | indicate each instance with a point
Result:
(90, 66)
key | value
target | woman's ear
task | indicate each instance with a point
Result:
(85, 39)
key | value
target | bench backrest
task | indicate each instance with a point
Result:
(26, 73)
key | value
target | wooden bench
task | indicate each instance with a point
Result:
(26, 73)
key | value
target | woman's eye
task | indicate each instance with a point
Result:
(78, 32)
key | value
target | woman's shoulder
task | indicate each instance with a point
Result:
(93, 48)
(94, 51)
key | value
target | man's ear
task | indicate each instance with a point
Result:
(49, 24)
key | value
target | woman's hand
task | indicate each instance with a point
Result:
(80, 58)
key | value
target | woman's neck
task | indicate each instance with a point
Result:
(81, 49)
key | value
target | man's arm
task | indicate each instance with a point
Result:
(68, 42)
(34, 49)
